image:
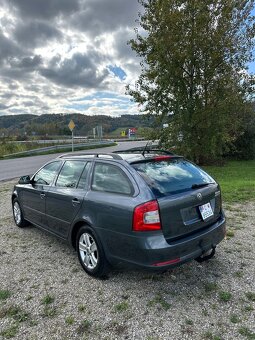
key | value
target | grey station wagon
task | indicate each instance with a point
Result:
(145, 208)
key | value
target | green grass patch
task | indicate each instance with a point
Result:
(121, 307)
(211, 287)
(4, 294)
(230, 233)
(225, 296)
(244, 331)
(236, 179)
(159, 300)
(250, 296)
(9, 148)
(49, 312)
(84, 327)
(69, 320)
(55, 151)
(234, 318)
(48, 299)
(10, 332)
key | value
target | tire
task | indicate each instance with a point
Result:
(18, 215)
(91, 253)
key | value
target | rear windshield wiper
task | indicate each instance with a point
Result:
(201, 185)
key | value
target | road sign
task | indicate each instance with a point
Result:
(71, 125)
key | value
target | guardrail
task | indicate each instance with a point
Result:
(58, 147)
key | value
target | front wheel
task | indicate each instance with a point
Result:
(17, 214)
(90, 253)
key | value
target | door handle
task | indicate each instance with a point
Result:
(75, 201)
(42, 195)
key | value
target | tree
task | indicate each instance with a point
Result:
(194, 71)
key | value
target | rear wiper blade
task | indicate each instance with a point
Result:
(200, 185)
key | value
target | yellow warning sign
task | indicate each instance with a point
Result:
(71, 125)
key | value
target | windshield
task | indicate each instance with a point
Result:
(172, 176)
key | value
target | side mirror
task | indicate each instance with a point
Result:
(25, 180)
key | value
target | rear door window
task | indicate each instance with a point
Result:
(70, 174)
(172, 176)
(110, 178)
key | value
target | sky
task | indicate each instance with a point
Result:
(66, 56)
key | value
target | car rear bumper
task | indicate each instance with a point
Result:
(154, 252)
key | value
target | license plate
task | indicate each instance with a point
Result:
(206, 211)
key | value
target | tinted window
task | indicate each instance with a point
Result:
(84, 176)
(110, 178)
(70, 174)
(47, 174)
(171, 177)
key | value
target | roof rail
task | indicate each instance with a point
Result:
(95, 155)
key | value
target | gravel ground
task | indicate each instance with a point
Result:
(44, 293)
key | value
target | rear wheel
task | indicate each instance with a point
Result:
(18, 215)
(90, 253)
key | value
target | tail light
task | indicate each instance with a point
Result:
(146, 217)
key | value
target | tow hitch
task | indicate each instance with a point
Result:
(206, 256)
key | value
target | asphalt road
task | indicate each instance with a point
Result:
(12, 168)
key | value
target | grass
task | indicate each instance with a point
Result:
(234, 318)
(17, 314)
(121, 307)
(210, 336)
(225, 296)
(84, 327)
(48, 299)
(238, 274)
(8, 148)
(236, 179)
(211, 287)
(69, 320)
(81, 308)
(10, 332)
(64, 150)
(4, 294)
(230, 233)
(244, 331)
(49, 312)
(159, 300)
(250, 296)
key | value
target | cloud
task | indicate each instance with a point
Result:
(100, 16)
(43, 9)
(8, 48)
(55, 52)
(36, 33)
(3, 107)
(27, 62)
(80, 70)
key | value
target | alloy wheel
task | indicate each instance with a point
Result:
(17, 212)
(88, 251)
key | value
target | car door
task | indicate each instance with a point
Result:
(110, 203)
(34, 194)
(64, 199)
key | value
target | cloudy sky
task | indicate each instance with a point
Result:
(67, 56)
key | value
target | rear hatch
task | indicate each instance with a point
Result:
(189, 199)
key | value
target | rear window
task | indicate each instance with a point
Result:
(171, 176)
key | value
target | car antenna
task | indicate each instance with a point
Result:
(148, 144)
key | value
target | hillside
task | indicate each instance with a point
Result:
(57, 124)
